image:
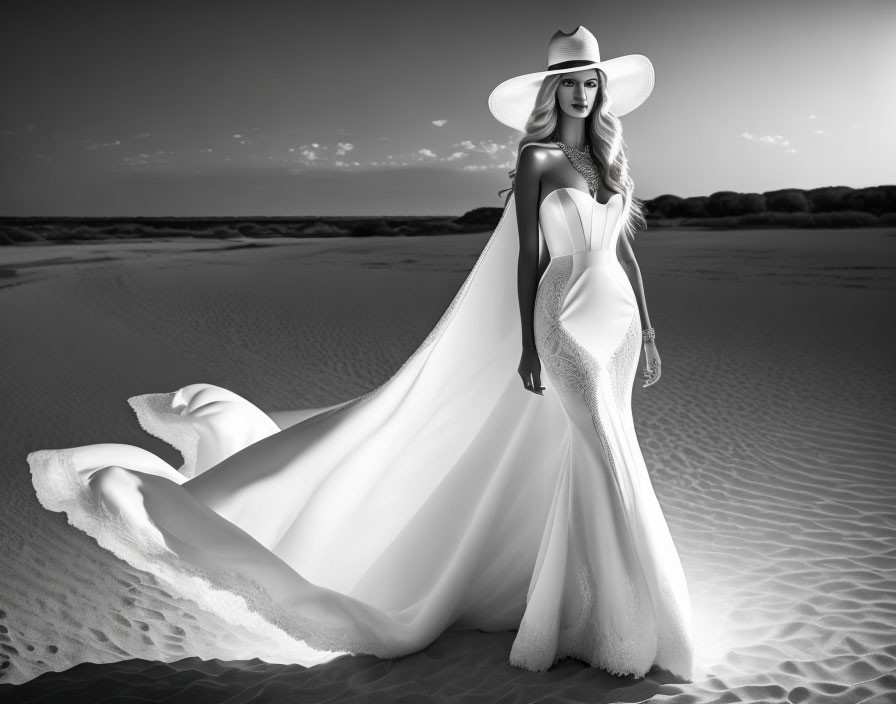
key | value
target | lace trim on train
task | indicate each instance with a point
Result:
(234, 596)
(156, 416)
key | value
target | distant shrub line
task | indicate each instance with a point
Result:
(845, 218)
(833, 206)
(20, 230)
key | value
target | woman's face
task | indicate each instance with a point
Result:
(577, 92)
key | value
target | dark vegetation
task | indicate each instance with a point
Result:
(832, 206)
(14, 230)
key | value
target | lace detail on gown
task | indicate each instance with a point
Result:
(573, 369)
(622, 361)
(605, 646)
(587, 588)
(553, 346)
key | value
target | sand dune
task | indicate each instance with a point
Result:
(770, 440)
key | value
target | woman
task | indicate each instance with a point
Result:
(436, 500)
(582, 314)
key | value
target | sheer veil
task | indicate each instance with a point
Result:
(368, 527)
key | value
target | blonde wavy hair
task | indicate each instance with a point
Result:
(604, 137)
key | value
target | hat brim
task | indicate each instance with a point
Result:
(630, 81)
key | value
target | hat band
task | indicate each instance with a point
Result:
(571, 64)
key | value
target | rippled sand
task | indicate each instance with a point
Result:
(770, 440)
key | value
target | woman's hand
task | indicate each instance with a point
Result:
(530, 370)
(652, 364)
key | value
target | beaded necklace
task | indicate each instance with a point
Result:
(583, 163)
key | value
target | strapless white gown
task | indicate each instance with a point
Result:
(448, 497)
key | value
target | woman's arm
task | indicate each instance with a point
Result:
(525, 188)
(652, 362)
(630, 264)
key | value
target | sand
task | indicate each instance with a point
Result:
(770, 440)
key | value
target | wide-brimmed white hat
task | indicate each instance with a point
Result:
(629, 78)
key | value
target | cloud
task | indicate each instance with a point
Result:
(455, 156)
(344, 148)
(102, 145)
(812, 117)
(823, 133)
(158, 158)
(490, 147)
(486, 167)
(309, 155)
(439, 123)
(428, 153)
(776, 140)
(139, 160)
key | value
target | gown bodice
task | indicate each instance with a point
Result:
(572, 222)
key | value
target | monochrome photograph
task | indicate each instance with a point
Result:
(466, 351)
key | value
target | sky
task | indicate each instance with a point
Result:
(275, 107)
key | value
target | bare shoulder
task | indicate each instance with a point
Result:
(539, 151)
(536, 156)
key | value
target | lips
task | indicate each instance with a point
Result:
(580, 106)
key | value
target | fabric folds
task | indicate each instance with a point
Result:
(370, 526)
